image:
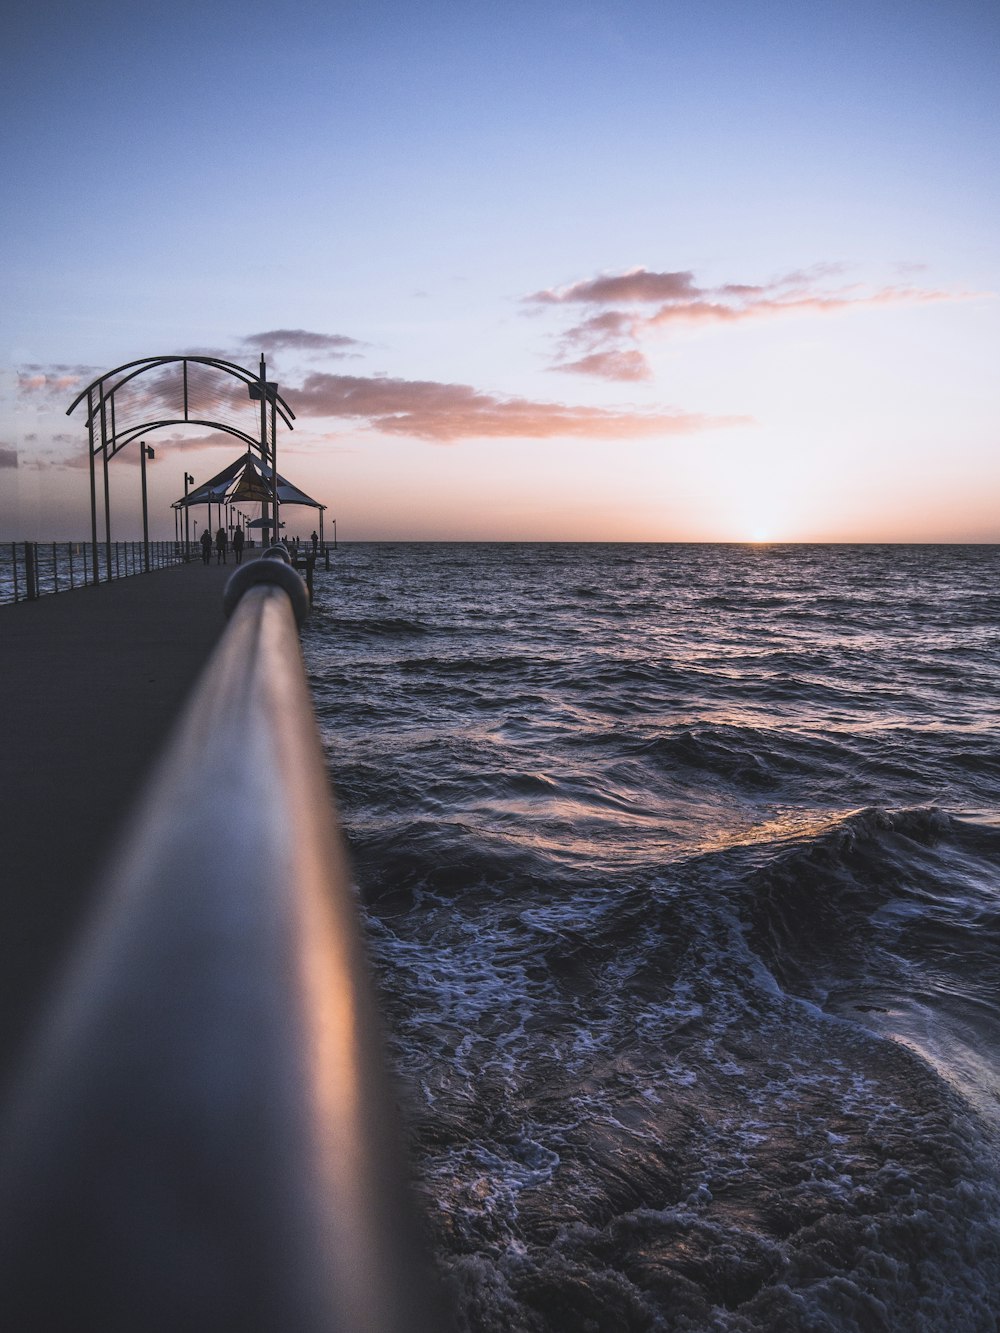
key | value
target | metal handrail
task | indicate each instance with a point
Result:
(204, 1138)
(29, 570)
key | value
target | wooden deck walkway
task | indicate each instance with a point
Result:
(90, 683)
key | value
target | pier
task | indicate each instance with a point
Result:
(93, 679)
(197, 1128)
(198, 1131)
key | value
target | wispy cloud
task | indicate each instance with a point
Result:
(176, 443)
(52, 381)
(216, 439)
(302, 340)
(165, 446)
(636, 284)
(908, 267)
(763, 306)
(622, 309)
(448, 413)
(437, 411)
(625, 364)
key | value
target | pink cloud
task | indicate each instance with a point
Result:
(702, 312)
(610, 336)
(163, 444)
(51, 380)
(628, 364)
(637, 284)
(605, 325)
(448, 413)
(216, 439)
(74, 461)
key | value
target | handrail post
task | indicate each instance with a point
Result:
(31, 571)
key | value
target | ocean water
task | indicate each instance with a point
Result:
(680, 869)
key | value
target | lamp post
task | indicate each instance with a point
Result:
(145, 451)
(188, 479)
(266, 391)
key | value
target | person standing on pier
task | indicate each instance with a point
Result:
(206, 547)
(221, 547)
(238, 544)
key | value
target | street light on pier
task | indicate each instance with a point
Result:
(266, 391)
(145, 451)
(188, 479)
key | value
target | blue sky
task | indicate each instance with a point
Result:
(446, 184)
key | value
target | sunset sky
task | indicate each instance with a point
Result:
(620, 271)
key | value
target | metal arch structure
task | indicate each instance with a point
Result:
(113, 421)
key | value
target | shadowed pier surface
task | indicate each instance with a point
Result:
(91, 682)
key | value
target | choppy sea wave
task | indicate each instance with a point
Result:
(680, 872)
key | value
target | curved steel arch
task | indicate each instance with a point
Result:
(106, 439)
(133, 432)
(147, 363)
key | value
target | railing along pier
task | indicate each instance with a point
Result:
(29, 570)
(203, 1137)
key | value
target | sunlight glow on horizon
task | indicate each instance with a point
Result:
(525, 288)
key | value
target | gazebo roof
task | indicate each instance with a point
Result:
(248, 480)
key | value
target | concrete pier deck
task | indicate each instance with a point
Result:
(90, 683)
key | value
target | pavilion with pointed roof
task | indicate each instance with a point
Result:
(248, 481)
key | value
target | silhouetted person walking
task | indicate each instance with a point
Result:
(315, 540)
(221, 546)
(206, 547)
(238, 544)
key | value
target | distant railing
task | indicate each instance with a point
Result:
(29, 570)
(203, 1138)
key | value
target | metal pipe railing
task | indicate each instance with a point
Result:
(203, 1138)
(29, 570)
